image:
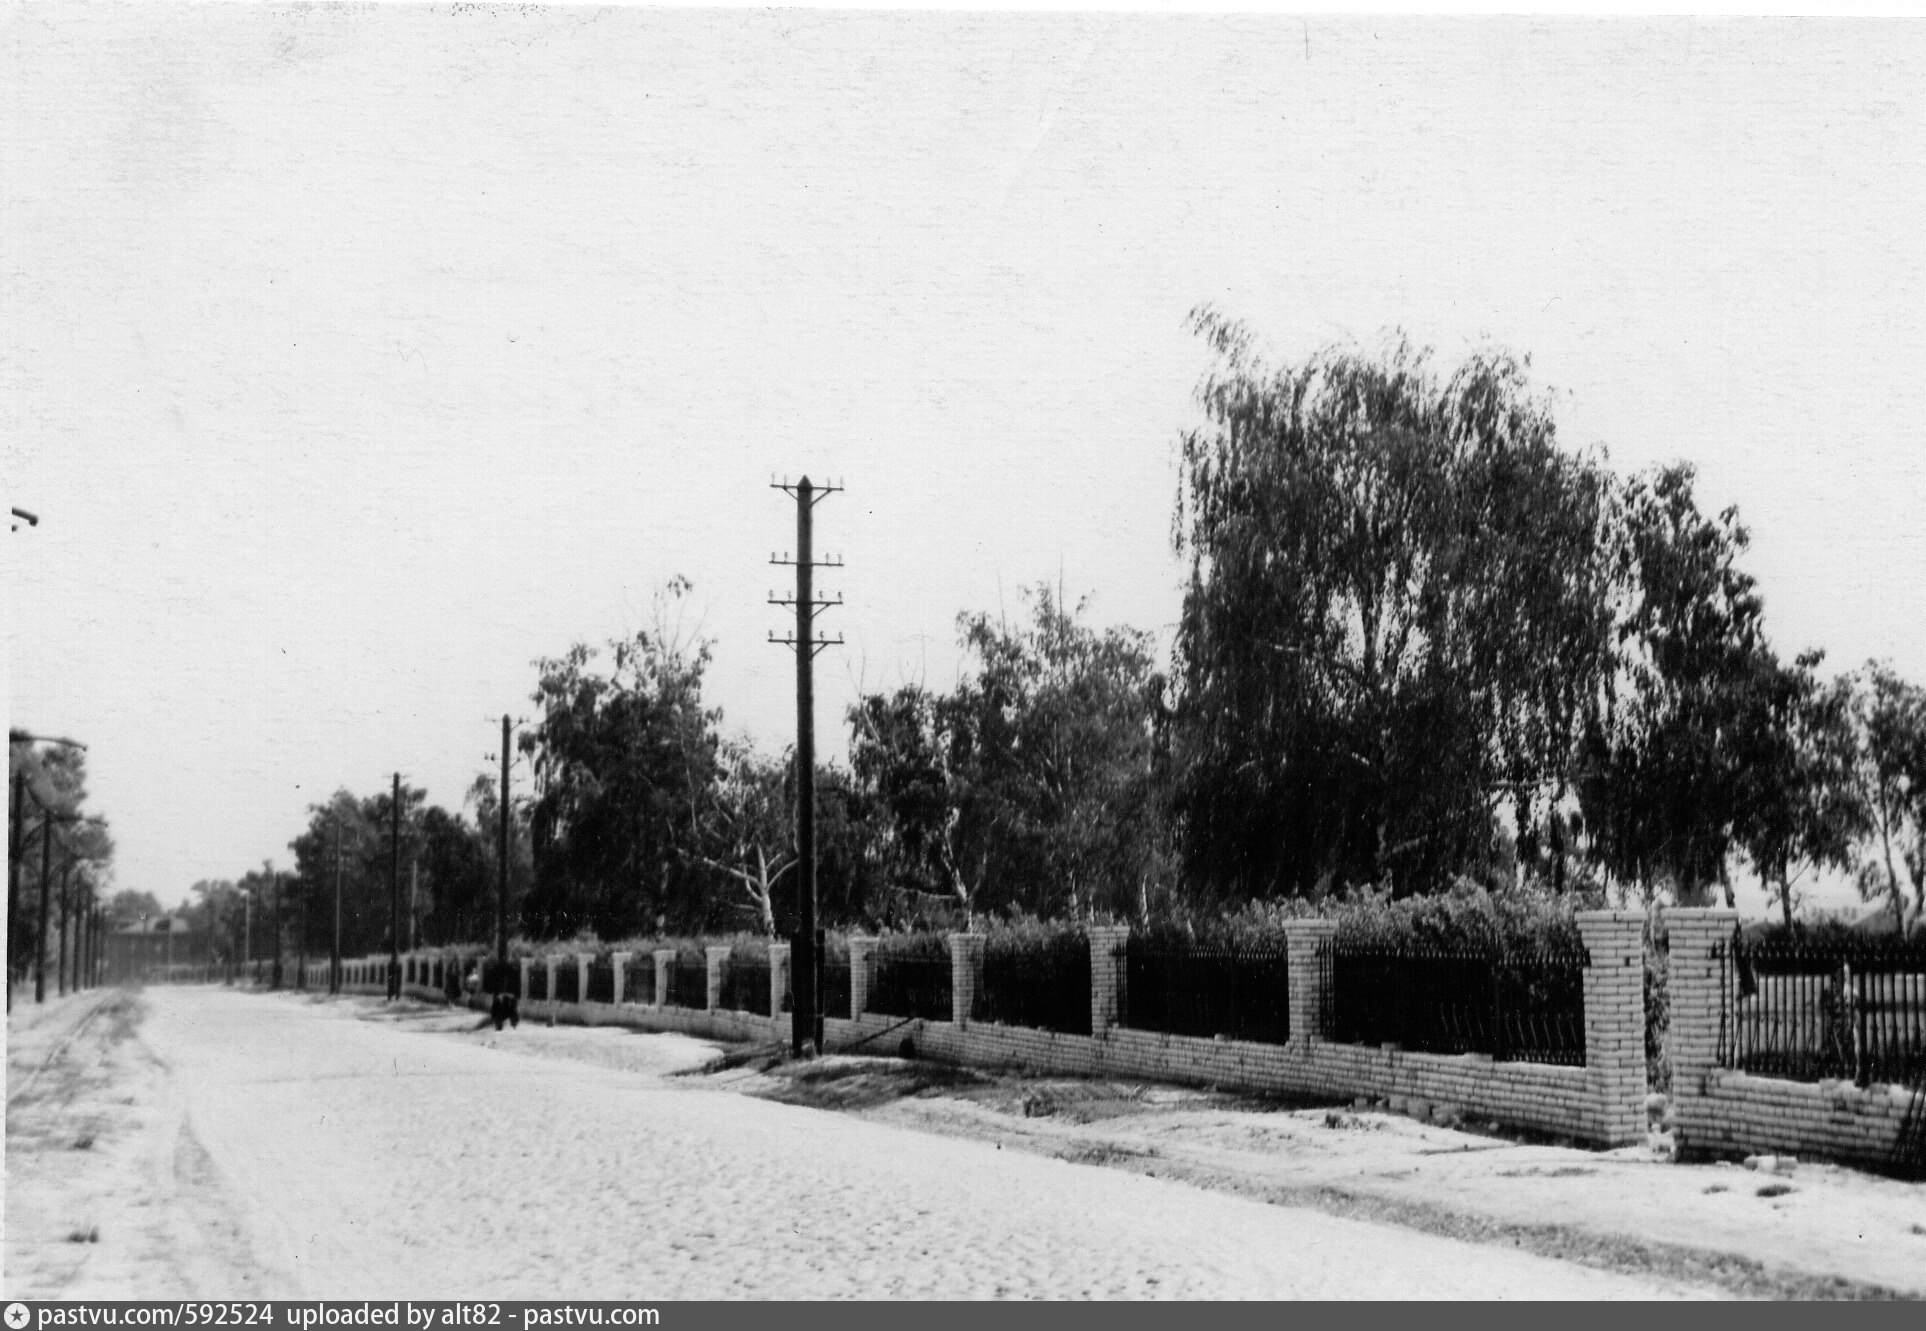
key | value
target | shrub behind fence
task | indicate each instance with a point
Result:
(1522, 1006)
(1043, 983)
(1241, 991)
(1834, 1008)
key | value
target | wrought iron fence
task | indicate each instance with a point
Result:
(910, 985)
(832, 996)
(1045, 984)
(1523, 1005)
(601, 981)
(568, 981)
(689, 984)
(638, 979)
(1240, 992)
(537, 980)
(1810, 1010)
(745, 985)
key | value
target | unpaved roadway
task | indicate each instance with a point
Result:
(271, 1145)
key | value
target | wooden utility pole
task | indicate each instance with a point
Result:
(394, 896)
(40, 930)
(15, 849)
(806, 1026)
(501, 889)
(66, 915)
(334, 953)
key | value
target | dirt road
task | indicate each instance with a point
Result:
(271, 1145)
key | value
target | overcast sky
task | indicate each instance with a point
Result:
(356, 359)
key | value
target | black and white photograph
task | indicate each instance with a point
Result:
(669, 655)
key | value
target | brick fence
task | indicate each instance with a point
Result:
(1718, 1111)
(1601, 1101)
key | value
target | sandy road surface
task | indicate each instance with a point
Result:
(317, 1149)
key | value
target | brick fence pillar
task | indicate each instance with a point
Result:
(549, 962)
(582, 960)
(1698, 941)
(521, 977)
(1615, 1022)
(664, 968)
(859, 950)
(779, 978)
(1107, 944)
(966, 974)
(619, 962)
(718, 959)
(1305, 942)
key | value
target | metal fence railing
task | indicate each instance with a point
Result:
(745, 985)
(601, 981)
(833, 998)
(1814, 1010)
(1239, 992)
(910, 985)
(537, 981)
(1045, 984)
(689, 984)
(638, 979)
(1523, 1005)
(568, 982)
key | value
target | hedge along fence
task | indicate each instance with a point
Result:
(1181, 986)
(910, 976)
(1038, 981)
(1516, 1005)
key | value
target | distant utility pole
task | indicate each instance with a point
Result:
(334, 955)
(280, 935)
(501, 890)
(14, 851)
(66, 896)
(806, 1026)
(40, 930)
(394, 897)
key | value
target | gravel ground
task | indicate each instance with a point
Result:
(331, 1149)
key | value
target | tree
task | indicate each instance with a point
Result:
(1398, 609)
(746, 830)
(624, 763)
(82, 850)
(1029, 786)
(1890, 714)
(1662, 779)
(1800, 806)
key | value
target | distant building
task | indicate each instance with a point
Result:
(157, 940)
